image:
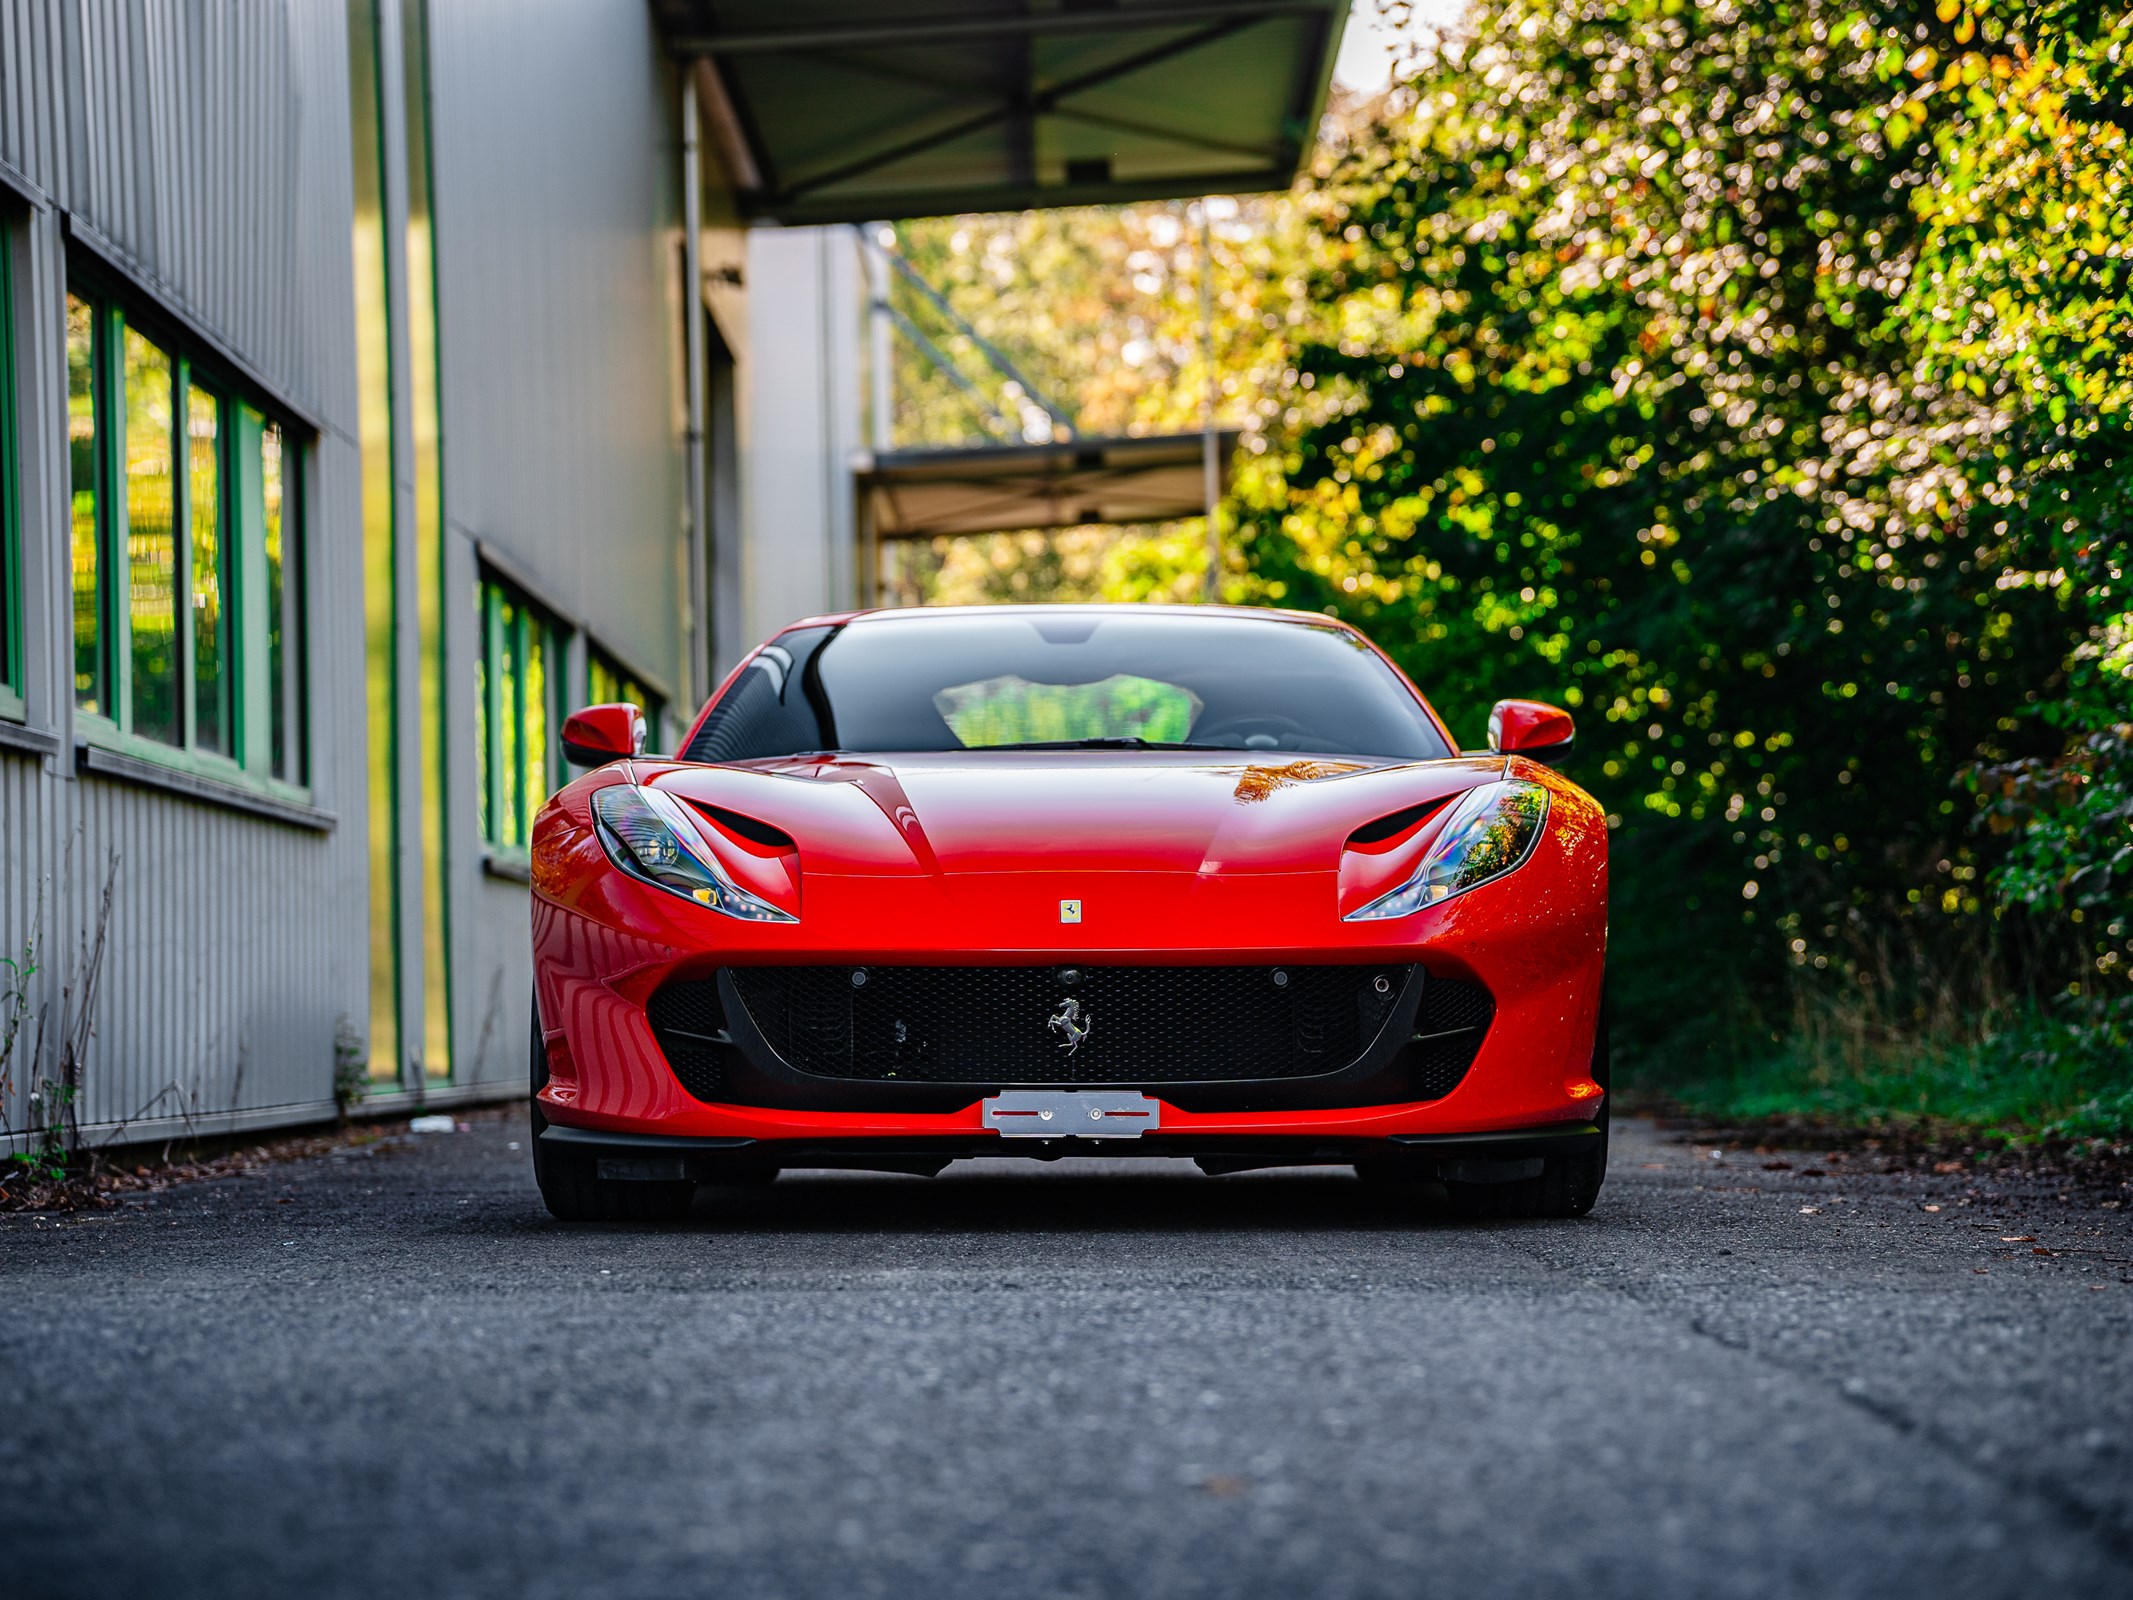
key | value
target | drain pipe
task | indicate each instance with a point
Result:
(697, 680)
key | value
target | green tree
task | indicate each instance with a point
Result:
(1609, 395)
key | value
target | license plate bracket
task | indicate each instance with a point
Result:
(1071, 1113)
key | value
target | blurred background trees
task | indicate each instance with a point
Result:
(1753, 379)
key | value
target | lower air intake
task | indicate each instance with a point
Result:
(1091, 1025)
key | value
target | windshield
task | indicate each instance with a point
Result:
(1068, 679)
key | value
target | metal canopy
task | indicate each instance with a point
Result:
(831, 111)
(923, 494)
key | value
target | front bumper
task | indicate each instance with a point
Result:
(664, 1158)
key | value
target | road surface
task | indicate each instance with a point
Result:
(387, 1372)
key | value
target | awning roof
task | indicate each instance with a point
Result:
(836, 112)
(921, 494)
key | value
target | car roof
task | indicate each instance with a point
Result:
(899, 614)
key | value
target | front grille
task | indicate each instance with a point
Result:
(691, 1028)
(1145, 1025)
(1453, 1019)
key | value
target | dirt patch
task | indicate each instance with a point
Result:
(2085, 1172)
(98, 1180)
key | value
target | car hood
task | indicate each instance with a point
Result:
(969, 812)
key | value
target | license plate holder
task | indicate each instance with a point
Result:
(1071, 1113)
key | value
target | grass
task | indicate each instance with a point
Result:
(2032, 1076)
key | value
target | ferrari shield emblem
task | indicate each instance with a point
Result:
(1070, 911)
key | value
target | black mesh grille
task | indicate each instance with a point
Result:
(1454, 1018)
(691, 1028)
(997, 1024)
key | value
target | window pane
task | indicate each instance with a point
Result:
(151, 542)
(484, 725)
(536, 734)
(203, 436)
(270, 477)
(81, 455)
(510, 687)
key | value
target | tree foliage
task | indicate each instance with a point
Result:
(1749, 377)
(1755, 379)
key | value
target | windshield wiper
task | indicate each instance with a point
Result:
(1114, 742)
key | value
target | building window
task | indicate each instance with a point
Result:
(517, 713)
(10, 506)
(186, 534)
(607, 681)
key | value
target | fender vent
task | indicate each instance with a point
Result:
(1453, 1020)
(691, 1029)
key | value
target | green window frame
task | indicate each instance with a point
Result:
(518, 711)
(607, 680)
(11, 663)
(186, 526)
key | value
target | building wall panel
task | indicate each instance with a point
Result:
(221, 983)
(32, 125)
(555, 202)
(213, 151)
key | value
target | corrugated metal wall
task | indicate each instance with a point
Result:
(558, 305)
(32, 124)
(203, 145)
(559, 321)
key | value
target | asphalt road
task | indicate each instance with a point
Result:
(388, 1373)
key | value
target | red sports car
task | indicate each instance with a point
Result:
(1070, 880)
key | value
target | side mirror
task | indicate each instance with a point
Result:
(600, 734)
(1537, 731)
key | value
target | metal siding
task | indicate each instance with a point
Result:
(207, 142)
(554, 189)
(555, 192)
(209, 146)
(214, 158)
(32, 136)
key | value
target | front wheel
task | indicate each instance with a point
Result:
(570, 1182)
(1566, 1186)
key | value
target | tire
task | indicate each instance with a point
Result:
(570, 1182)
(1567, 1186)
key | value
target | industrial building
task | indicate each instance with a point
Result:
(381, 379)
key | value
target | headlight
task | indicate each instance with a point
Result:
(647, 834)
(1490, 831)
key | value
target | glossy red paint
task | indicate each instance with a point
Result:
(603, 733)
(1178, 858)
(1528, 725)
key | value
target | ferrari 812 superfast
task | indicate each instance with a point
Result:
(1045, 881)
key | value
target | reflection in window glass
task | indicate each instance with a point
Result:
(535, 740)
(203, 443)
(10, 508)
(606, 683)
(82, 481)
(513, 695)
(151, 541)
(1012, 710)
(284, 612)
(512, 721)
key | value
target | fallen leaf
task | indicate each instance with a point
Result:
(1655, 1166)
(1810, 1211)
(2018, 1238)
(2041, 1251)
(1932, 1208)
(1980, 1271)
(1947, 1166)
(1777, 1166)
